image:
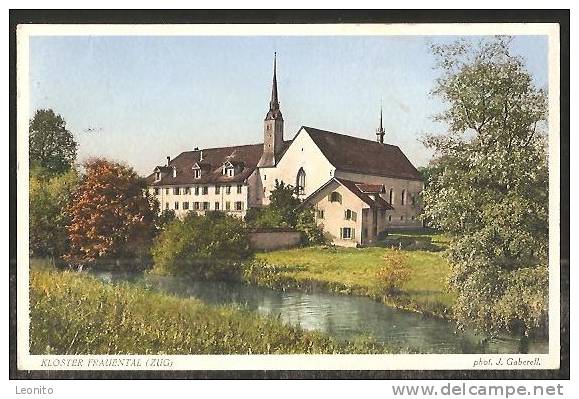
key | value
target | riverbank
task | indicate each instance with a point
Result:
(353, 271)
(73, 313)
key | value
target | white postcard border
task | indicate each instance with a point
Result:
(25, 361)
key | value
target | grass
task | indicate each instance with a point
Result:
(353, 271)
(74, 313)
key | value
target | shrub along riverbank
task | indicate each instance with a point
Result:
(353, 271)
(73, 313)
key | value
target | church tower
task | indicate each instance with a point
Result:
(272, 127)
(380, 131)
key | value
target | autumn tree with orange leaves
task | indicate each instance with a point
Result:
(112, 216)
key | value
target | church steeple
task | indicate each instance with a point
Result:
(380, 131)
(272, 126)
(274, 111)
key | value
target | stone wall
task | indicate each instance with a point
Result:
(270, 239)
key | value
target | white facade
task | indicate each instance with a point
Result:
(230, 198)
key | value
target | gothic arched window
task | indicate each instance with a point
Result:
(403, 197)
(301, 181)
(391, 196)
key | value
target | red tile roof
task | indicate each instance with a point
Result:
(353, 154)
(372, 201)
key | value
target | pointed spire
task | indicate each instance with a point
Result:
(274, 111)
(274, 104)
(380, 131)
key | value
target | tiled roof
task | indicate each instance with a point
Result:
(370, 200)
(370, 188)
(353, 154)
(245, 156)
(352, 186)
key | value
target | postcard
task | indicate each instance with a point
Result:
(371, 196)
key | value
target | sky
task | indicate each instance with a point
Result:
(141, 99)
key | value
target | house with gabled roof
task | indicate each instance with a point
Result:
(359, 188)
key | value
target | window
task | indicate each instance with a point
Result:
(239, 186)
(227, 205)
(185, 205)
(156, 191)
(217, 189)
(320, 213)
(197, 173)
(186, 190)
(167, 191)
(205, 190)
(217, 206)
(230, 172)
(413, 199)
(401, 217)
(264, 177)
(206, 206)
(350, 215)
(166, 205)
(346, 233)
(335, 197)
(196, 190)
(389, 218)
(238, 205)
(301, 181)
(175, 190)
(196, 206)
(391, 196)
(176, 205)
(228, 190)
(403, 197)
(157, 175)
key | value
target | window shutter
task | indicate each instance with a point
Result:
(341, 232)
(346, 215)
(353, 233)
(354, 216)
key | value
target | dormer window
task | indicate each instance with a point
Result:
(229, 169)
(197, 173)
(157, 176)
(174, 172)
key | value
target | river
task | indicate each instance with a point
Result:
(342, 316)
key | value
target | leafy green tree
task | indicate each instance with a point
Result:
(490, 189)
(48, 218)
(166, 217)
(284, 210)
(201, 245)
(51, 145)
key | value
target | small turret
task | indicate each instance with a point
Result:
(380, 131)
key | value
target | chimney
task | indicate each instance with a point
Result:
(168, 160)
(200, 155)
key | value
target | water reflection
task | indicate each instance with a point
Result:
(344, 317)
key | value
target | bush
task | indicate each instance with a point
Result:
(394, 273)
(306, 223)
(202, 246)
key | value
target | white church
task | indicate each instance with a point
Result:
(358, 188)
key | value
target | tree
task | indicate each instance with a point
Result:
(51, 145)
(112, 215)
(490, 189)
(201, 246)
(48, 217)
(284, 210)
